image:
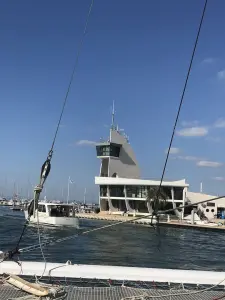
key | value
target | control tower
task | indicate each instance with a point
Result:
(117, 156)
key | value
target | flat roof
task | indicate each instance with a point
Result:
(132, 181)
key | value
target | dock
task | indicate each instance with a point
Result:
(146, 221)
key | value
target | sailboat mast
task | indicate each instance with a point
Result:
(85, 191)
(68, 190)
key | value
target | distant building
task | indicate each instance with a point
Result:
(210, 209)
(121, 190)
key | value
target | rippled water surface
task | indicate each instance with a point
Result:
(124, 245)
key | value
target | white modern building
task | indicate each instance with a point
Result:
(121, 190)
(210, 209)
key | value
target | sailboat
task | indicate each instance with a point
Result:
(95, 281)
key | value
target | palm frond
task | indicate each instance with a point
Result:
(157, 197)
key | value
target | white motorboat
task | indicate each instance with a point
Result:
(58, 214)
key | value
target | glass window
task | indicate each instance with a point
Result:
(114, 151)
(60, 211)
(178, 193)
(41, 208)
(116, 191)
(108, 150)
(103, 190)
(210, 204)
(132, 191)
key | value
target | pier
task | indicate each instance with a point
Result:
(146, 221)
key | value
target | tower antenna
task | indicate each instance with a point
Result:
(113, 115)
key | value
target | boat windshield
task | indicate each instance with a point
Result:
(60, 210)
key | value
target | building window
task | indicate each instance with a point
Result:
(207, 210)
(178, 193)
(142, 192)
(212, 210)
(131, 191)
(136, 191)
(114, 150)
(210, 204)
(116, 191)
(103, 190)
(108, 150)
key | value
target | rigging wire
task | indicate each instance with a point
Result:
(51, 242)
(59, 122)
(156, 202)
(73, 72)
(41, 248)
(188, 293)
(46, 167)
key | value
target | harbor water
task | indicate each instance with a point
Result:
(123, 245)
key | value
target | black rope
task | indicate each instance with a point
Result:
(156, 202)
(73, 73)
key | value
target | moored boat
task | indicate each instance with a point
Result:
(58, 214)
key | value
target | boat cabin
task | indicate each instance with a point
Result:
(56, 209)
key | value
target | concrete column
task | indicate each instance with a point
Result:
(184, 200)
(109, 200)
(111, 207)
(177, 213)
(149, 206)
(99, 197)
(126, 201)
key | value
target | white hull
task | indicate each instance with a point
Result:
(56, 221)
(114, 273)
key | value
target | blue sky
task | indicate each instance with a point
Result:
(136, 53)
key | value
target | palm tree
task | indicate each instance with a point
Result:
(156, 198)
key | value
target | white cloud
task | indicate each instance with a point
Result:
(210, 164)
(220, 123)
(219, 178)
(173, 150)
(189, 123)
(193, 131)
(86, 143)
(189, 158)
(221, 75)
(208, 60)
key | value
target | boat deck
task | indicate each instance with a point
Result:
(7, 292)
(96, 282)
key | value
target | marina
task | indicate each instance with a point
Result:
(146, 238)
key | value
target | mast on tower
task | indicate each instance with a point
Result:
(113, 116)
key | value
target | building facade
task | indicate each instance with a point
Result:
(121, 190)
